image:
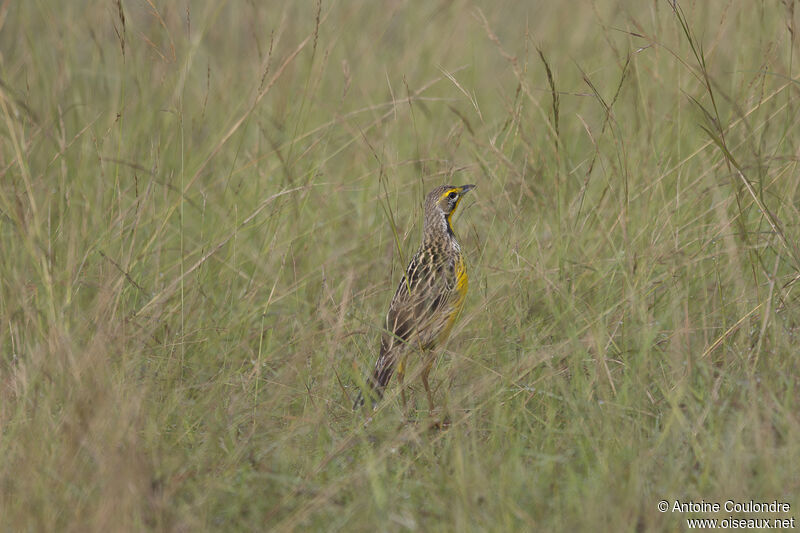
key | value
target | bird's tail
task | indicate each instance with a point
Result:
(384, 368)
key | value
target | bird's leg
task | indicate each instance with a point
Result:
(425, 372)
(401, 372)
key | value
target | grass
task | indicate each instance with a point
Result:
(205, 208)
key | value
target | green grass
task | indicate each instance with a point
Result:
(205, 208)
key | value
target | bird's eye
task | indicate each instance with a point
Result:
(453, 195)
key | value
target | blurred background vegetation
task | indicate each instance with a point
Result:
(198, 207)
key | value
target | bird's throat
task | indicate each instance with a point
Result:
(447, 225)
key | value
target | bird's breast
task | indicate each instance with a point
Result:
(462, 280)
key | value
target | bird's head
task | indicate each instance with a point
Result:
(442, 202)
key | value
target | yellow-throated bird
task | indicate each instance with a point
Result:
(429, 298)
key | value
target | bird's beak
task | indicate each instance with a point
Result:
(466, 188)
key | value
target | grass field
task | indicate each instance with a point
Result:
(205, 208)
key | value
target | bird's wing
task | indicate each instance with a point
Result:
(421, 309)
(423, 297)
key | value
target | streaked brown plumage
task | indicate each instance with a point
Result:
(428, 299)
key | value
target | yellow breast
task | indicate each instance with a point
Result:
(462, 283)
(462, 280)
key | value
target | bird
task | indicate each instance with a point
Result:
(428, 299)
